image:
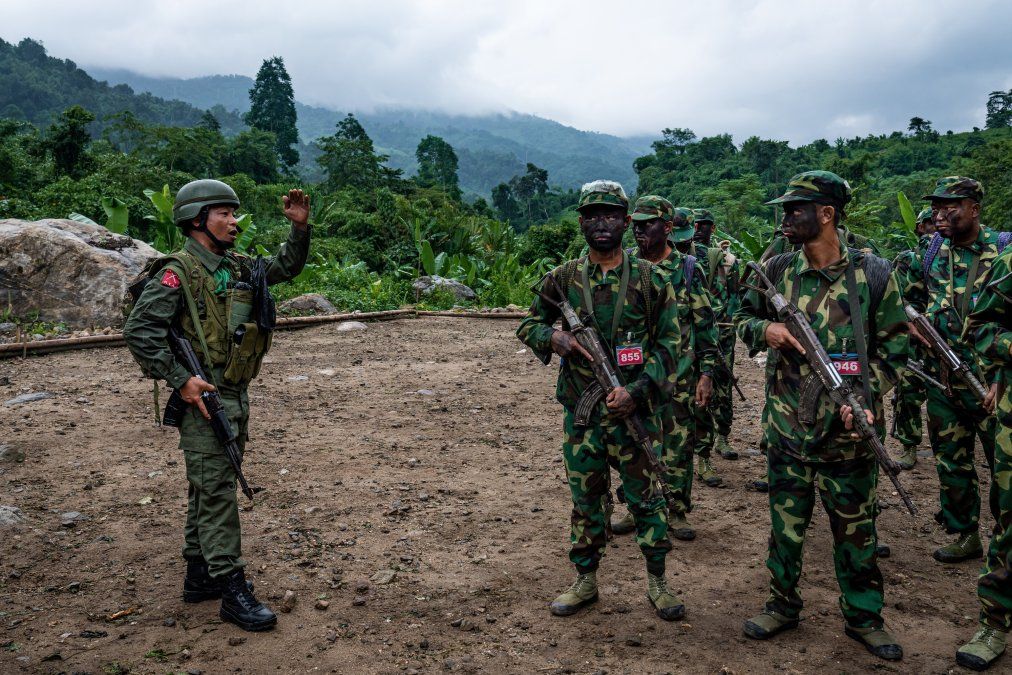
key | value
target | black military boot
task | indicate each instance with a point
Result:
(238, 605)
(199, 585)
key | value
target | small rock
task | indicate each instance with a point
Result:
(8, 328)
(10, 515)
(634, 641)
(287, 602)
(71, 518)
(383, 577)
(426, 392)
(93, 634)
(29, 398)
(74, 586)
(358, 601)
(322, 605)
(235, 641)
(331, 635)
(169, 623)
(297, 378)
(144, 501)
(346, 326)
(361, 586)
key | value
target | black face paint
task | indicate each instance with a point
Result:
(651, 236)
(800, 223)
(704, 232)
(603, 229)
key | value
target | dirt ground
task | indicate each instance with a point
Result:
(426, 447)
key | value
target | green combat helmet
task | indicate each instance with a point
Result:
(702, 216)
(822, 187)
(197, 194)
(685, 231)
(649, 207)
(602, 192)
(957, 187)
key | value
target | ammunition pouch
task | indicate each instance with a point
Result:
(587, 404)
(248, 342)
(808, 403)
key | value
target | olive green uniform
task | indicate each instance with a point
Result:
(212, 523)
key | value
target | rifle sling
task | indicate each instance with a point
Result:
(859, 334)
(195, 317)
(623, 289)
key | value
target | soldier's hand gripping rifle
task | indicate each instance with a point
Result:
(822, 366)
(726, 370)
(177, 407)
(607, 379)
(943, 352)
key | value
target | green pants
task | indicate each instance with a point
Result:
(847, 490)
(723, 386)
(586, 453)
(678, 427)
(212, 516)
(954, 423)
(994, 587)
(908, 397)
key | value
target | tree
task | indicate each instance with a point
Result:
(67, 141)
(252, 153)
(349, 158)
(919, 126)
(272, 108)
(674, 139)
(209, 121)
(999, 109)
(437, 165)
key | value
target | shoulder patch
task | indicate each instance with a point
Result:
(170, 279)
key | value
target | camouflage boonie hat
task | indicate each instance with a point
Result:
(702, 216)
(957, 187)
(649, 207)
(684, 232)
(602, 192)
(816, 186)
(925, 214)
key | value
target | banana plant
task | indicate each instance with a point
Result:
(168, 237)
(117, 215)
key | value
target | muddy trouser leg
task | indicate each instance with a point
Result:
(847, 490)
(953, 426)
(994, 588)
(792, 498)
(723, 405)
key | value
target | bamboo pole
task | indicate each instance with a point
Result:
(477, 315)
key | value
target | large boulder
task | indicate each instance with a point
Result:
(67, 271)
(307, 303)
(426, 285)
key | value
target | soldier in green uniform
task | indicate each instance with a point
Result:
(204, 289)
(910, 393)
(633, 308)
(942, 283)
(989, 327)
(652, 226)
(722, 272)
(813, 447)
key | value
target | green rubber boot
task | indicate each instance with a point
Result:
(724, 448)
(767, 624)
(983, 650)
(583, 592)
(623, 525)
(877, 641)
(706, 472)
(967, 547)
(680, 528)
(908, 458)
(667, 604)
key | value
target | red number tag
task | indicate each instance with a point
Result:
(847, 366)
(629, 355)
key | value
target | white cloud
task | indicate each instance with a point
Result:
(776, 68)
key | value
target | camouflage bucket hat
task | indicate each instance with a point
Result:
(925, 214)
(957, 187)
(816, 186)
(685, 231)
(702, 216)
(602, 192)
(649, 207)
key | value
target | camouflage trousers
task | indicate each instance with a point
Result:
(994, 588)
(847, 491)
(954, 423)
(908, 397)
(716, 418)
(678, 426)
(587, 452)
(212, 528)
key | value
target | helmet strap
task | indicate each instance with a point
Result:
(202, 227)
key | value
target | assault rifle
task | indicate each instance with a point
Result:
(943, 352)
(607, 379)
(822, 366)
(177, 407)
(917, 368)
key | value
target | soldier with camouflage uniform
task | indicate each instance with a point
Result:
(989, 327)
(813, 448)
(633, 307)
(652, 225)
(204, 288)
(942, 283)
(722, 272)
(910, 393)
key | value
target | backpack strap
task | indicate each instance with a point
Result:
(647, 288)
(688, 269)
(776, 265)
(934, 246)
(186, 263)
(877, 271)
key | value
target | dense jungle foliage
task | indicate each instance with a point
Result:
(106, 154)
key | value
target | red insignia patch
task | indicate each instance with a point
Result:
(170, 279)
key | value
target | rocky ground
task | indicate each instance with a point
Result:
(415, 518)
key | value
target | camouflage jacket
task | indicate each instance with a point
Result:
(698, 346)
(651, 384)
(945, 293)
(723, 284)
(822, 295)
(989, 326)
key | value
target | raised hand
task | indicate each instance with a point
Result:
(296, 207)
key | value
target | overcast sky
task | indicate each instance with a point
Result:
(774, 68)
